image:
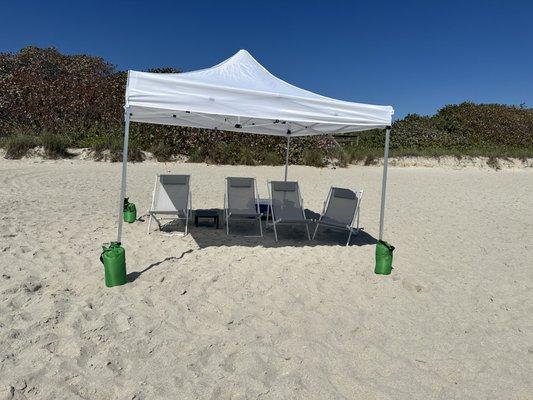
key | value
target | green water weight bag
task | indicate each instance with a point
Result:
(114, 259)
(383, 258)
(130, 211)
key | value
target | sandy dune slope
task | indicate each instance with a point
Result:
(210, 316)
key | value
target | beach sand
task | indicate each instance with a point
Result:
(210, 316)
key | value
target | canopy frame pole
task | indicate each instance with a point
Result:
(287, 157)
(124, 172)
(384, 182)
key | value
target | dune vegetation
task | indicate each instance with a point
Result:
(59, 101)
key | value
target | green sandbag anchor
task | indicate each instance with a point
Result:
(114, 259)
(130, 211)
(383, 258)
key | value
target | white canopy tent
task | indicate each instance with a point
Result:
(240, 95)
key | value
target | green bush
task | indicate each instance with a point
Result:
(493, 163)
(218, 153)
(246, 157)
(340, 157)
(113, 144)
(135, 153)
(466, 125)
(270, 157)
(163, 152)
(222, 153)
(313, 158)
(17, 146)
(197, 156)
(55, 146)
(87, 93)
(364, 154)
(370, 160)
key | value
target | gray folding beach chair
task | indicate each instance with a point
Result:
(171, 198)
(241, 201)
(340, 211)
(286, 205)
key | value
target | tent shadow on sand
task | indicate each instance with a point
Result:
(246, 234)
(132, 276)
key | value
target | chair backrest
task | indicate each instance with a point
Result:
(171, 193)
(341, 207)
(241, 196)
(286, 200)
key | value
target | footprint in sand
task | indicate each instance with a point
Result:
(123, 322)
(115, 367)
(413, 288)
(69, 348)
(86, 353)
(32, 286)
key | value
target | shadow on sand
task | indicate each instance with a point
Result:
(243, 233)
(132, 276)
(246, 234)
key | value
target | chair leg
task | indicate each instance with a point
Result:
(349, 237)
(307, 229)
(266, 219)
(149, 224)
(157, 222)
(227, 225)
(275, 231)
(260, 226)
(186, 223)
(316, 229)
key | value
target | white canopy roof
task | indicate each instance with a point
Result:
(240, 95)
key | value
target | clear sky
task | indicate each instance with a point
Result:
(414, 55)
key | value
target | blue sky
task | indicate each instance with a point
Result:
(414, 55)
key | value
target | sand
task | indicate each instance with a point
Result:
(210, 316)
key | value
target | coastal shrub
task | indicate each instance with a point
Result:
(312, 158)
(218, 153)
(271, 158)
(46, 91)
(246, 157)
(113, 145)
(196, 156)
(55, 146)
(493, 162)
(17, 146)
(135, 153)
(163, 152)
(361, 154)
(82, 96)
(339, 157)
(466, 125)
(370, 160)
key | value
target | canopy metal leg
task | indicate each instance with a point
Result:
(124, 172)
(287, 157)
(384, 182)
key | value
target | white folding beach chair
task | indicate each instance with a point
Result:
(241, 201)
(171, 198)
(341, 210)
(286, 205)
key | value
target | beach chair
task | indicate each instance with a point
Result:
(171, 198)
(341, 209)
(286, 205)
(241, 201)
